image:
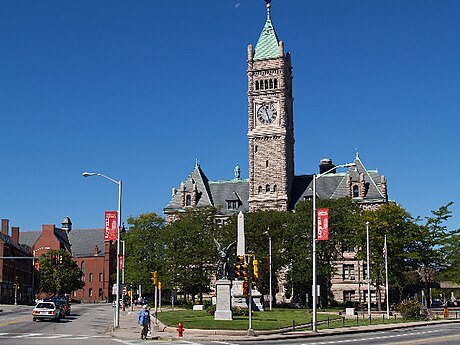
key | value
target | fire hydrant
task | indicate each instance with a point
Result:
(180, 330)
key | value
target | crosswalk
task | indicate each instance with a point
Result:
(8, 335)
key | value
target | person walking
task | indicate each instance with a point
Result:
(144, 321)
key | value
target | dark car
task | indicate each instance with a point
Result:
(62, 302)
(46, 311)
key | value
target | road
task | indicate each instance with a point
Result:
(88, 324)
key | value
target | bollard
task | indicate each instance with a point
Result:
(357, 320)
(328, 322)
(293, 325)
(343, 322)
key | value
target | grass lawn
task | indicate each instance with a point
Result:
(266, 320)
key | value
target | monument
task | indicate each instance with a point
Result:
(223, 285)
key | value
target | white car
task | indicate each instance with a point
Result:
(46, 311)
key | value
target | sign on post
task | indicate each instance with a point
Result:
(110, 229)
(323, 224)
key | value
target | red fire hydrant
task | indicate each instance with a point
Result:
(180, 330)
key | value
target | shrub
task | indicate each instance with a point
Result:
(211, 310)
(411, 309)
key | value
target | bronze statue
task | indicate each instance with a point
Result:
(222, 265)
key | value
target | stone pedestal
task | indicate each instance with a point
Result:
(241, 301)
(223, 300)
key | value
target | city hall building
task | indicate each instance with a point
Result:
(272, 184)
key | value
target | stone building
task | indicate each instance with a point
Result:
(272, 183)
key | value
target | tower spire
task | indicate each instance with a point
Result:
(268, 9)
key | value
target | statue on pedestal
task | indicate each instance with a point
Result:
(222, 265)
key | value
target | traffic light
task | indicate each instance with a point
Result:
(255, 265)
(239, 262)
(159, 285)
(245, 288)
(154, 278)
(246, 271)
(53, 259)
(61, 257)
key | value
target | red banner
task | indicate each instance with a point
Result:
(110, 233)
(323, 224)
(121, 262)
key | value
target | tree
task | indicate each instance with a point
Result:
(425, 246)
(144, 248)
(59, 274)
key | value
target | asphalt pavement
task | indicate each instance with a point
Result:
(129, 329)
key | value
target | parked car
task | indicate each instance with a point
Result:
(46, 311)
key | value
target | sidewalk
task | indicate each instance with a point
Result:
(129, 329)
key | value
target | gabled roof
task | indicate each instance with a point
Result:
(335, 185)
(80, 242)
(267, 46)
(230, 190)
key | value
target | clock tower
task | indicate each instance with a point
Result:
(270, 122)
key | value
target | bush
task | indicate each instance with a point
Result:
(236, 311)
(411, 309)
(211, 310)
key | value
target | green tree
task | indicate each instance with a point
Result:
(144, 249)
(425, 247)
(59, 274)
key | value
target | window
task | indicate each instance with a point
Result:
(355, 191)
(82, 266)
(101, 293)
(257, 85)
(274, 188)
(348, 272)
(90, 277)
(101, 277)
(271, 83)
(266, 84)
(266, 163)
(260, 189)
(188, 200)
(90, 292)
(349, 296)
(276, 83)
(267, 188)
(232, 204)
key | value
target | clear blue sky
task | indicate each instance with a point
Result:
(138, 90)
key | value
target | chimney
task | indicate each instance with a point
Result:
(5, 226)
(15, 234)
(96, 250)
(48, 229)
(326, 164)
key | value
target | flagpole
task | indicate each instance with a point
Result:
(386, 277)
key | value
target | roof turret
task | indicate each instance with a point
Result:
(267, 46)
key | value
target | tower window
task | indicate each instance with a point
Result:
(267, 188)
(271, 83)
(355, 191)
(255, 148)
(261, 84)
(260, 189)
(188, 200)
(257, 85)
(274, 188)
(266, 84)
(266, 163)
(276, 83)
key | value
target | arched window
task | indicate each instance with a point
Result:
(188, 200)
(266, 163)
(276, 83)
(267, 188)
(260, 189)
(261, 84)
(266, 84)
(257, 85)
(274, 188)
(355, 191)
(271, 83)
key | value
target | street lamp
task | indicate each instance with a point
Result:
(270, 264)
(116, 323)
(314, 288)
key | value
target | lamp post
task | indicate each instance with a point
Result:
(270, 264)
(116, 323)
(368, 273)
(314, 288)
(123, 262)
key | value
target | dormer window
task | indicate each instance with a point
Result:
(232, 205)
(355, 191)
(188, 200)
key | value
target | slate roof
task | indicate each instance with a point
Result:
(267, 46)
(212, 193)
(80, 242)
(335, 185)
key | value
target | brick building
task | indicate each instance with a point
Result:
(94, 256)
(272, 184)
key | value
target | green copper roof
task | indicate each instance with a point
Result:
(267, 45)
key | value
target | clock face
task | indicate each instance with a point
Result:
(266, 113)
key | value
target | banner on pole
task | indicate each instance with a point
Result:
(323, 224)
(110, 230)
